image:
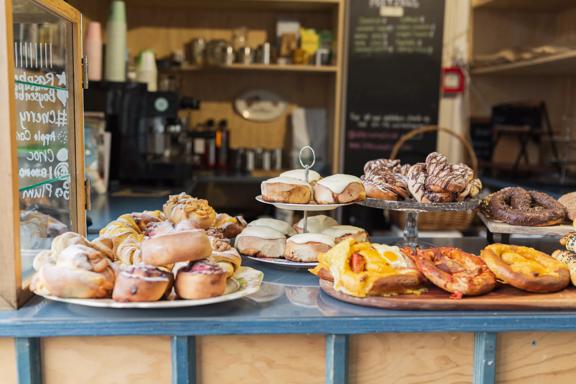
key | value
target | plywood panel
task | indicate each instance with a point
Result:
(283, 359)
(534, 358)
(94, 360)
(7, 361)
(411, 358)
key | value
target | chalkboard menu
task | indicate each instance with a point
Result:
(394, 57)
(45, 126)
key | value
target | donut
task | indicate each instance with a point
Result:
(453, 270)
(517, 206)
(140, 283)
(526, 268)
(200, 280)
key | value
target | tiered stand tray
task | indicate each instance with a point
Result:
(505, 230)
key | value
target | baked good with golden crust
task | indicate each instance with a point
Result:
(526, 268)
(315, 224)
(278, 225)
(261, 242)
(568, 258)
(225, 255)
(184, 207)
(364, 269)
(339, 189)
(569, 202)
(176, 247)
(453, 270)
(343, 232)
(305, 247)
(141, 283)
(286, 190)
(231, 226)
(200, 280)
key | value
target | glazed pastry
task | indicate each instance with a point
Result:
(286, 190)
(77, 271)
(175, 247)
(568, 258)
(141, 283)
(184, 207)
(339, 189)
(225, 256)
(278, 225)
(305, 247)
(315, 224)
(200, 280)
(261, 242)
(230, 226)
(516, 206)
(300, 174)
(569, 201)
(343, 232)
(416, 181)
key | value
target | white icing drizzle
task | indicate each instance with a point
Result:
(337, 183)
(303, 238)
(278, 225)
(342, 230)
(286, 180)
(317, 224)
(300, 174)
(261, 232)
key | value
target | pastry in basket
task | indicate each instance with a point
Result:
(176, 247)
(363, 269)
(278, 225)
(339, 189)
(526, 268)
(453, 270)
(305, 247)
(261, 242)
(184, 207)
(568, 258)
(286, 190)
(200, 280)
(385, 179)
(300, 174)
(343, 232)
(74, 268)
(517, 206)
(229, 225)
(141, 283)
(315, 224)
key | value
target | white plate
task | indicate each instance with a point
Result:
(284, 262)
(303, 207)
(245, 282)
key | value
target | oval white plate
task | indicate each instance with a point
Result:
(245, 282)
(284, 262)
(303, 207)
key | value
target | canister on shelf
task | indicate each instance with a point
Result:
(263, 53)
(244, 55)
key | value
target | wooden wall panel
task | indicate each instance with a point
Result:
(534, 358)
(94, 360)
(411, 358)
(282, 359)
(7, 361)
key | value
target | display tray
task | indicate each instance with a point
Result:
(245, 282)
(504, 298)
(303, 207)
(414, 206)
(499, 227)
(283, 262)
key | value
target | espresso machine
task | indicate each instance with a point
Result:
(149, 143)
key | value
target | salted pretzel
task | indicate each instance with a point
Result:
(526, 268)
(453, 270)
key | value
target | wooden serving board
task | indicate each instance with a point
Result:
(552, 231)
(503, 298)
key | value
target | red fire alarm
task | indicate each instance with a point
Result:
(453, 81)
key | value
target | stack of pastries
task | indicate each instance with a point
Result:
(293, 187)
(145, 256)
(434, 181)
(271, 238)
(364, 269)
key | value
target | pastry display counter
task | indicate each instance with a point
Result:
(289, 302)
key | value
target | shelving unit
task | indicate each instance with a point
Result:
(525, 5)
(260, 67)
(563, 64)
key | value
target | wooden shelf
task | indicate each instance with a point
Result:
(260, 67)
(280, 5)
(525, 5)
(554, 65)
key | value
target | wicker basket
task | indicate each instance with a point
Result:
(430, 221)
